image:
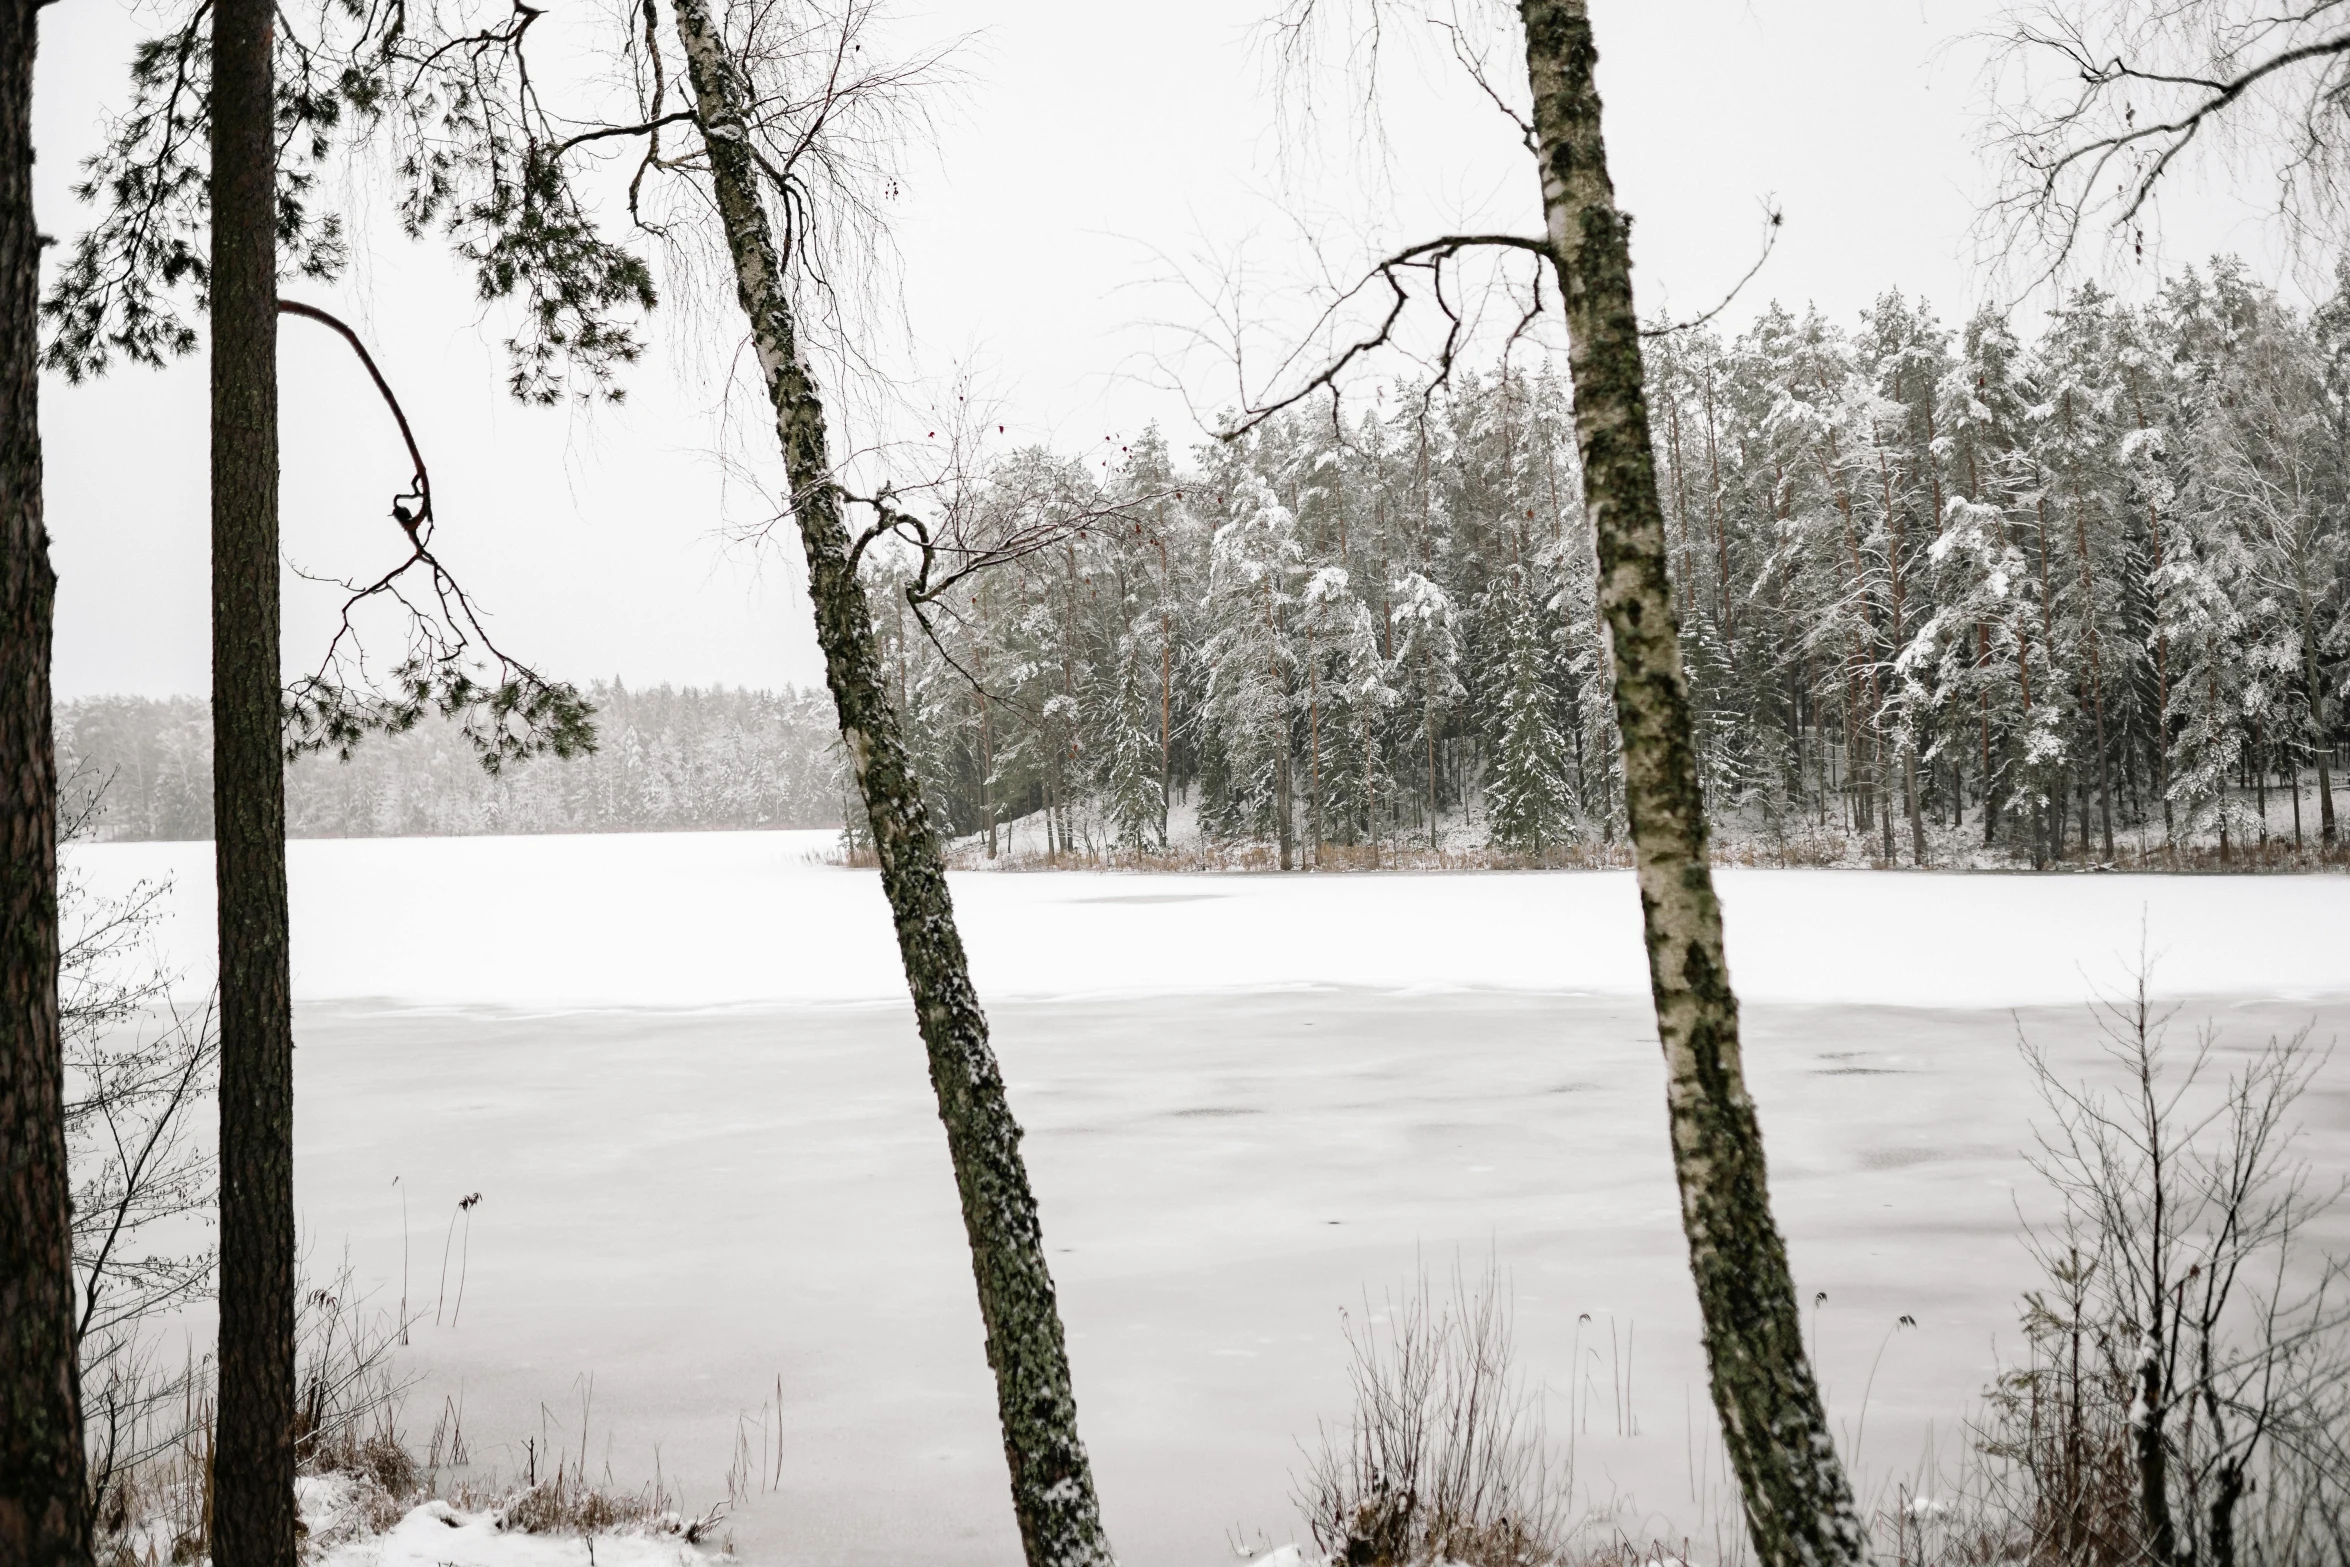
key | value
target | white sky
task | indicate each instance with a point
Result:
(1093, 152)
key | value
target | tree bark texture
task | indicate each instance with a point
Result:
(1799, 1507)
(1052, 1483)
(44, 1507)
(253, 1467)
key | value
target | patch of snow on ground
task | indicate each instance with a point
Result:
(436, 1534)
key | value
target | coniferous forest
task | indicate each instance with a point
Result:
(2069, 591)
(2062, 592)
(667, 761)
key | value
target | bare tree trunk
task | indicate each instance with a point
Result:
(987, 799)
(1909, 759)
(1052, 1483)
(253, 1466)
(1799, 1507)
(44, 1500)
(1284, 806)
(2149, 1437)
(2321, 736)
(1166, 684)
(1314, 743)
(1428, 727)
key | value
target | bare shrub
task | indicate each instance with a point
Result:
(1445, 1457)
(138, 1070)
(2189, 1352)
(151, 1429)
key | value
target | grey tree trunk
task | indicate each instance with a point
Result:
(1052, 1483)
(1799, 1507)
(2321, 737)
(253, 1466)
(44, 1506)
(1917, 817)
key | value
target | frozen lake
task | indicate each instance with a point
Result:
(682, 1074)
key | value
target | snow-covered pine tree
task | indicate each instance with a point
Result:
(1126, 747)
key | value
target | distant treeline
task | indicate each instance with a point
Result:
(665, 760)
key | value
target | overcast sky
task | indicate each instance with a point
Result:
(1092, 159)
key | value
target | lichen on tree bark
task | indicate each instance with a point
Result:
(1799, 1508)
(1052, 1483)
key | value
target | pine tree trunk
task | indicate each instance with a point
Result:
(253, 1467)
(1799, 1507)
(1917, 815)
(1428, 726)
(2096, 684)
(1052, 1483)
(44, 1506)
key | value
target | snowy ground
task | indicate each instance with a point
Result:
(681, 1072)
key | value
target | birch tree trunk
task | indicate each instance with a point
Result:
(1799, 1508)
(253, 1466)
(44, 1509)
(1052, 1484)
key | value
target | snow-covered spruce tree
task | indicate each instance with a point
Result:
(1986, 585)
(1154, 536)
(1840, 536)
(2204, 634)
(2269, 473)
(1363, 783)
(2144, 454)
(2084, 509)
(1581, 674)
(1251, 659)
(1127, 749)
(1530, 803)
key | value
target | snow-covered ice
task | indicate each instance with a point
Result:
(682, 1073)
(713, 919)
